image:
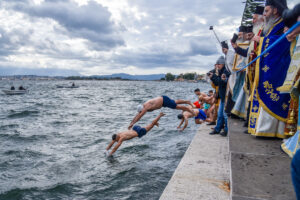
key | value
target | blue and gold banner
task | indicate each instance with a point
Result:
(272, 70)
(254, 113)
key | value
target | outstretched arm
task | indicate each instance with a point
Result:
(116, 147)
(110, 145)
(185, 124)
(182, 120)
(137, 118)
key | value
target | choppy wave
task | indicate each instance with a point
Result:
(17, 137)
(24, 154)
(21, 114)
(8, 126)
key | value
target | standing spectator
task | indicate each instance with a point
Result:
(220, 77)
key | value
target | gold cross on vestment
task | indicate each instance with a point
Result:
(284, 106)
(265, 68)
(255, 108)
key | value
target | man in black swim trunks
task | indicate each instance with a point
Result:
(159, 102)
(136, 131)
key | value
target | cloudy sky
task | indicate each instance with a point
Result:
(88, 37)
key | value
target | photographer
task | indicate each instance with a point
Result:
(219, 77)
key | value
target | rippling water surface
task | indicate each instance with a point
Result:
(52, 140)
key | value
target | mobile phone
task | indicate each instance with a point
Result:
(234, 38)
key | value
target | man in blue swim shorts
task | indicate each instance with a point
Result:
(159, 102)
(200, 117)
(136, 131)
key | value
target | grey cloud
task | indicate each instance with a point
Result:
(12, 70)
(151, 60)
(159, 55)
(210, 10)
(91, 21)
(11, 41)
(100, 41)
(202, 47)
(153, 47)
(170, 59)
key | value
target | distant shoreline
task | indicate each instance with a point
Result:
(87, 78)
(186, 77)
(53, 79)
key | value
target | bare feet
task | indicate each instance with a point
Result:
(191, 104)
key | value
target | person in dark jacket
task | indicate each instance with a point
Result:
(220, 77)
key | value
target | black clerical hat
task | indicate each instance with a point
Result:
(249, 29)
(259, 10)
(224, 44)
(242, 29)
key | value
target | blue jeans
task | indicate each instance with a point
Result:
(295, 170)
(222, 118)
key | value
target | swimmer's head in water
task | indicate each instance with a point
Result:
(140, 108)
(114, 137)
(180, 116)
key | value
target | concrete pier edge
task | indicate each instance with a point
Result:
(203, 172)
(255, 167)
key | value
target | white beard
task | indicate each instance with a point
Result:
(256, 27)
(268, 24)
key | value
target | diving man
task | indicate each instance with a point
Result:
(200, 117)
(157, 103)
(136, 131)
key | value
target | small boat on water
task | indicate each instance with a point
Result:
(63, 86)
(14, 92)
(72, 87)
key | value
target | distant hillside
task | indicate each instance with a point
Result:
(151, 77)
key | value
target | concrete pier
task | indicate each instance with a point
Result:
(255, 167)
(203, 172)
(259, 169)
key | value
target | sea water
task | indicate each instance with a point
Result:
(52, 140)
